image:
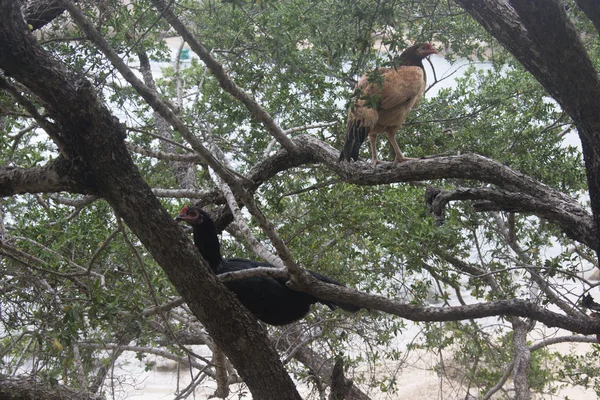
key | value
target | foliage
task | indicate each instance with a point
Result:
(87, 279)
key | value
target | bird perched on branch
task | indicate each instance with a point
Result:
(386, 97)
(269, 299)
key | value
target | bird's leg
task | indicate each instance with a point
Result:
(373, 142)
(391, 135)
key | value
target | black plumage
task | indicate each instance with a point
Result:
(269, 299)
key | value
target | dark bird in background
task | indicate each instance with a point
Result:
(386, 97)
(269, 299)
(588, 302)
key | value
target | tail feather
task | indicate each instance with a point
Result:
(334, 304)
(355, 136)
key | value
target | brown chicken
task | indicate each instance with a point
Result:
(384, 103)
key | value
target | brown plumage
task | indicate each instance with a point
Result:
(384, 104)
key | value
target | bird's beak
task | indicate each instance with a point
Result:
(180, 217)
(430, 52)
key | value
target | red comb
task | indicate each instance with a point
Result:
(184, 210)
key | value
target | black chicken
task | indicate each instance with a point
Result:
(269, 299)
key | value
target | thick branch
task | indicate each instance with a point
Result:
(56, 176)
(592, 10)
(319, 365)
(522, 356)
(340, 386)
(568, 215)
(416, 313)
(278, 273)
(537, 198)
(179, 193)
(12, 388)
(38, 13)
(467, 166)
(552, 204)
(516, 308)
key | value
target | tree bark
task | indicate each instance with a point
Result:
(39, 13)
(570, 217)
(522, 355)
(93, 135)
(317, 364)
(12, 388)
(340, 386)
(591, 8)
(56, 176)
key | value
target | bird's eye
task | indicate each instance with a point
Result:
(193, 214)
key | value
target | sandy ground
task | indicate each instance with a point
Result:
(417, 379)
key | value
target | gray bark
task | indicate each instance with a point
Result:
(568, 215)
(522, 355)
(39, 13)
(14, 388)
(591, 8)
(56, 176)
(340, 386)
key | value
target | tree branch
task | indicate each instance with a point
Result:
(567, 215)
(39, 13)
(318, 364)
(148, 350)
(516, 308)
(161, 155)
(16, 388)
(56, 176)
(50, 128)
(591, 9)
(521, 357)
(185, 173)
